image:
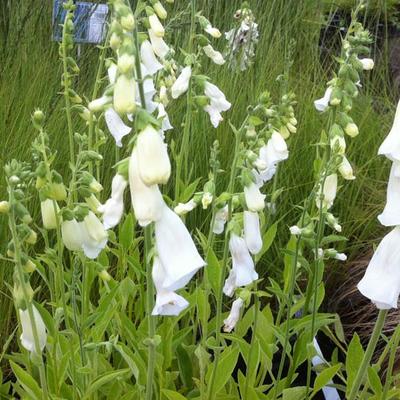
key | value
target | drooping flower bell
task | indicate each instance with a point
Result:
(159, 46)
(184, 208)
(381, 282)
(255, 200)
(252, 232)
(27, 337)
(181, 84)
(168, 303)
(116, 126)
(148, 58)
(242, 272)
(49, 209)
(391, 145)
(215, 56)
(218, 103)
(72, 234)
(147, 200)
(152, 156)
(125, 95)
(94, 235)
(113, 208)
(323, 103)
(328, 192)
(367, 63)
(234, 315)
(176, 250)
(221, 216)
(391, 213)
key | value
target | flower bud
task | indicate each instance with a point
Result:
(124, 95)
(160, 10)
(128, 22)
(4, 207)
(49, 209)
(346, 170)
(336, 96)
(126, 63)
(206, 200)
(104, 275)
(351, 129)
(156, 25)
(29, 267)
(57, 191)
(115, 41)
(99, 104)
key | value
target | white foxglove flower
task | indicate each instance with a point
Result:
(391, 213)
(156, 26)
(341, 256)
(328, 192)
(391, 145)
(27, 338)
(214, 55)
(113, 209)
(49, 209)
(147, 201)
(346, 170)
(323, 103)
(124, 95)
(254, 198)
(176, 250)
(221, 216)
(126, 63)
(367, 63)
(295, 230)
(218, 103)
(94, 235)
(72, 235)
(264, 176)
(206, 200)
(159, 46)
(112, 73)
(338, 144)
(252, 232)
(381, 282)
(234, 315)
(116, 126)
(214, 32)
(184, 208)
(162, 114)
(148, 58)
(153, 160)
(100, 104)
(181, 84)
(167, 302)
(242, 272)
(274, 151)
(148, 89)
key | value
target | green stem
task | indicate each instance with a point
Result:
(368, 354)
(218, 318)
(27, 300)
(392, 358)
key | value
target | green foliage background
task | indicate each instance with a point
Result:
(30, 77)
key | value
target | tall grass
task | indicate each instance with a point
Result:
(30, 77)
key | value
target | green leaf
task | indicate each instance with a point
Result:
(226, 366)
(325, 376)
(213, 271)
(126, 232)
(104, 379)
(254, 120)
(374, 381)
(172, 395)
(189, 190)
(27, 382)
(295, 393)
(185, 366)
(268, 239)
(355, 355)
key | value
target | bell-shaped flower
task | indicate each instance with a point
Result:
(148, 58)
(94, 235)
(242, 272)
(214, 55)
(252, 232)
(328, 193)
(265, 175)
(391, 213)
(148, 89)
(381, 282)
(206, 200)
(27, 337)
(112, 73)
(346, 169)
(100, 104)
(323, 103)
(214, 32)
(181, 84)
(116, 126)
(218, 103)
(167, 302)
(147, 201)
(391, 145)
(125, 95)
(153, 161)
(72, 234)
(113, 208)
(367, 63)
(274, 151)
(234, 315)
(156, 26)
(176, 250)
(184, 208)
(160, 48)
(49, 209)
(255, 200)
(221, 216)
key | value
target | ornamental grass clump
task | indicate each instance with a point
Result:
(119, 294)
